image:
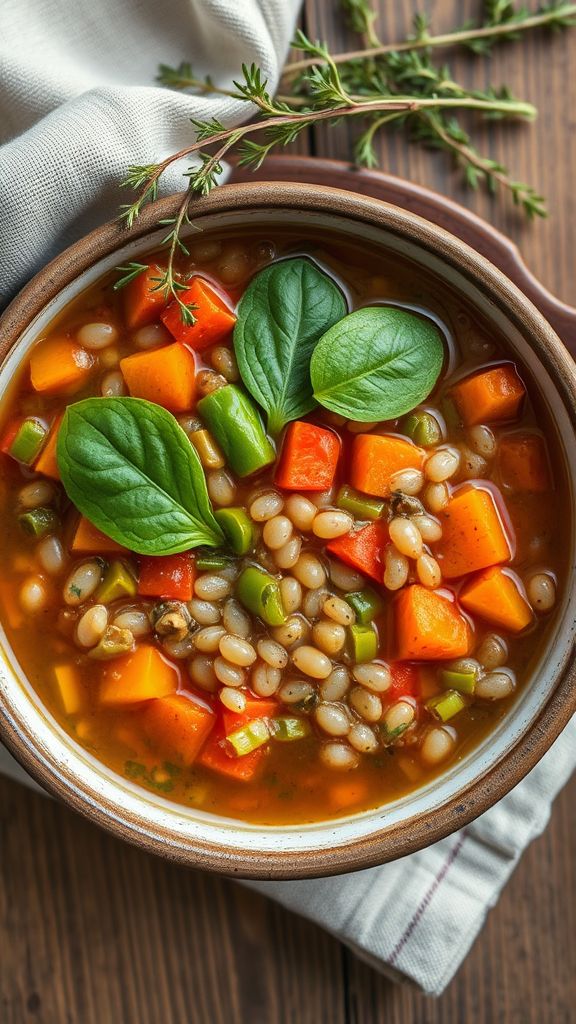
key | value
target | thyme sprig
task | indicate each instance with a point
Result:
(381, 85)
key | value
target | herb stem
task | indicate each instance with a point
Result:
(447, 39)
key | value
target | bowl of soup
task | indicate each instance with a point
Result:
(286, 554)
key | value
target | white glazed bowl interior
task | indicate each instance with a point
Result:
(145, 814)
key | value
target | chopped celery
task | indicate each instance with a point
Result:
(364, 642)
(287, 729)
(39, 521)
(28, 441)
(119, 581)
(366, 603)
(422, 428)
(238, 529)
(206, 561)
(464, 682)
(114, 643)
(249, 737)
(445, 705)
(359, 505)
(260, 594)
(236, 424)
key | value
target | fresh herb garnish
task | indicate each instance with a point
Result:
(282, 314)
(161, 777)
(377, 363)
(130, 469)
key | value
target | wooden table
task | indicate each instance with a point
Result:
(94, 932)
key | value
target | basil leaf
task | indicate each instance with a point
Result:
(130, 469)
(377, 363)
(282, 314)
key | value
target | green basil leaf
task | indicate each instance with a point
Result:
(281, 316)
(130, 469)
(377, 363)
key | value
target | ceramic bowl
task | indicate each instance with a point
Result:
(468, 787)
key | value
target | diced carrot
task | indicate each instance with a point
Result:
(59, 364)
(167, 576)
(490, 396)
(405, 680)
(375, 457)
(143, 300)
(496, 595)
(142, 675)
(214, 755)
(308, 459)
(89, 540)
(70, 691)
(255, 708)
(347, 794)
(363, 549)
(428, 626)
(523, 463)
(46, 462)
(474, 536)
(165, 375)
(213, 318)
(180, 723)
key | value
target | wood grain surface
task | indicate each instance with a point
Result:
(95, 932)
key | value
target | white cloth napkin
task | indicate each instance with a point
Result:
(78, 104)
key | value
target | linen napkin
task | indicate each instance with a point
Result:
(77, 106)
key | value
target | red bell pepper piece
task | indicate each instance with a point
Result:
(309, 458)
(363, 549)
(405, 680)
(214, 320)
(167, 576)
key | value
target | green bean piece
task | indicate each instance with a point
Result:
(463, 682)
(38, 522)
(359, 505)
(366, 603)
(207, 562)
(28, 441)
(285, 730)
(119, 581)
(445, 705)
(422, 428)
(363, 642)
(249, 737)
(237, 426)
(260, 594)
(238, 529)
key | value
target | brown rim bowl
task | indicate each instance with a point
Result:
(467, 788)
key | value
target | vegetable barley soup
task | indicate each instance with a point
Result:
(282, 545)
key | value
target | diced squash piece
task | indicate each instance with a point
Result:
(141, 675)
(375, 457)
(215, 755)
(69, 686)
(180, 723)
(144, 301)
(59, 364)
(89, 540)
(490, 396)
(474, 536)
(496, 595)
(46, 462)
(344, 794)
(214, 320)
(308, 459)
(363, 549)
(523, 463)
(169, 576)
(255, 708)
(428, 626)
(165, 375)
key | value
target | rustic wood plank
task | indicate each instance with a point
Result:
(94, 932)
